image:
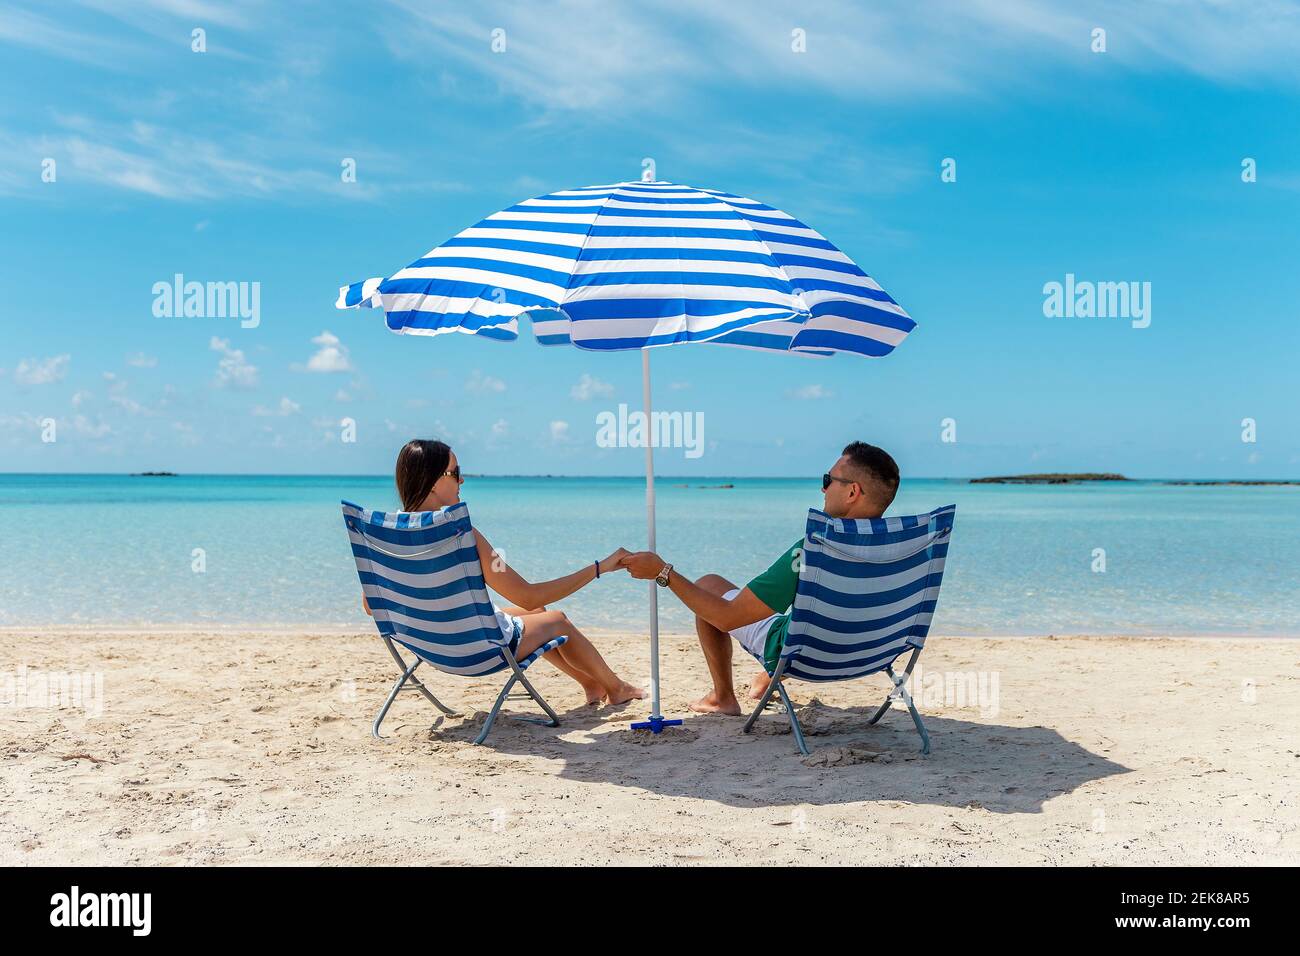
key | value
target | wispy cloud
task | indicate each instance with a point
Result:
(24, 27)
(42, 371)
(479, 384)
(590, 387)
(233, 369)
(809, 393)
(199, 135)
(583, 56)
(286, 407)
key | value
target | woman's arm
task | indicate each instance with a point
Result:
(512, 586)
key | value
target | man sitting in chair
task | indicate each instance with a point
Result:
(861, 484)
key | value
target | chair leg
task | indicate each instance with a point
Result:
(419, 684)
(552, 720)
(900, 691)
(762, 703)
(883, 707)
(392, 695)
(916, 719)
(774, 686)
(794, 721)
(428, 695)
(496, 708)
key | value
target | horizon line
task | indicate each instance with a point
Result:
(658, 477)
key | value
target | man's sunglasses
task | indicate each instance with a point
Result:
(828, 478)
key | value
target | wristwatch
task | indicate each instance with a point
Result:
(662, 580)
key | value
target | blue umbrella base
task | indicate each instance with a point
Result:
(656, 724)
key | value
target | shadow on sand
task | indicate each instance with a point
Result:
(1002, 768)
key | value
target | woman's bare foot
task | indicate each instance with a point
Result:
(626, 692)
(758, 686)
(594, 693)
(712, 703)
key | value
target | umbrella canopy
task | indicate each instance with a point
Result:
(642, 264)
(638, 265)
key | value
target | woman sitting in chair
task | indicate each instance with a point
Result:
(429, 478)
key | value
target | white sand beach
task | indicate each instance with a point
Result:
(227, 747)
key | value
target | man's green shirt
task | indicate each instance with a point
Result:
(775, 587)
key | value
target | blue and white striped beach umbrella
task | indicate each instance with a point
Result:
(638, 265)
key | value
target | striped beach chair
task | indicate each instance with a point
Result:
(422, 579)
(866, 595)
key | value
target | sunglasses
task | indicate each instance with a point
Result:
(828, 478)
(455, 473)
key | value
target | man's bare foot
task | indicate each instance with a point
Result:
(625, 693)
(758, 686)
(712, 703)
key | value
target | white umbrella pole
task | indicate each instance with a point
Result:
(650, 534)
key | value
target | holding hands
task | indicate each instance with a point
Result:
(614, 562)
(643, 565)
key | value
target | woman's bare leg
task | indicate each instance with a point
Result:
(579, 653)
(591, 687)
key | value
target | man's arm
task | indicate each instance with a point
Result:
(745, 608)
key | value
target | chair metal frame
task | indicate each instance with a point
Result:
(899, 692)
(517, 676)
(408, 676)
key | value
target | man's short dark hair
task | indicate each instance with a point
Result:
(876, 471)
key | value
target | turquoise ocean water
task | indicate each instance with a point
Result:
(100, 549)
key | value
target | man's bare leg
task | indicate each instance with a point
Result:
(591, 688)
(758, 686)
(716, 646)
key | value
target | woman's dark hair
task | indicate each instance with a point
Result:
(420, 463)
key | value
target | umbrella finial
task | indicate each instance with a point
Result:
(648, 170)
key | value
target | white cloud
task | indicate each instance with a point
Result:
(117, 388)
(169, 160)
(593, 59)
(286, 407)
(186, 433)
(331, 356)
(589, 388)
(559, 432)
(42, 371)
(342, 395)
(809, 392)
(479, 384)
(84, 426)
(500, 428)
(233, 370)
(140, 360)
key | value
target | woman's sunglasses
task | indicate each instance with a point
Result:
(455, 473)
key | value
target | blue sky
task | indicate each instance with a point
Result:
(225, 166)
